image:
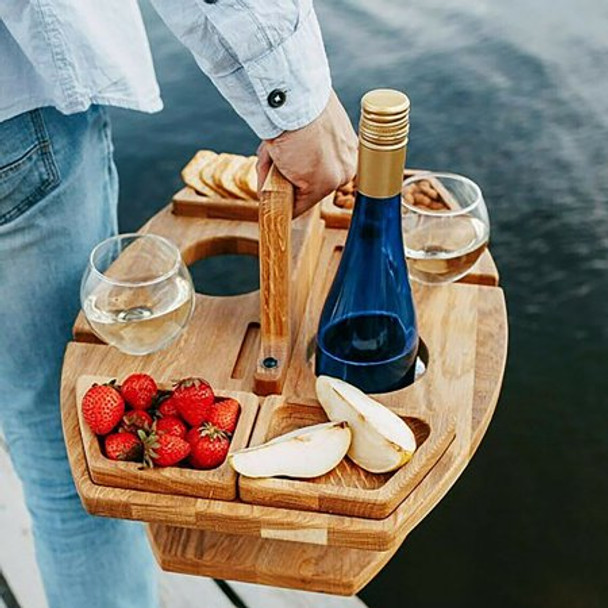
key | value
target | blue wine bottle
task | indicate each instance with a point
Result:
(367, 332)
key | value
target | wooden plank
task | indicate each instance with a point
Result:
(276, 208)
(484, 272)
(188, 202)
(348, 489)
(447, 387)
(266, 562)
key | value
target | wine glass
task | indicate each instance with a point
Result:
(445, 226)
(136, 292)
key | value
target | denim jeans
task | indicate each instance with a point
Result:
(58, 197)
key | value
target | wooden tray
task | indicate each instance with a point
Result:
(219, 483)
(298, 552)
(348, 489)
(294, 565)
(463, 326)
(466, 388)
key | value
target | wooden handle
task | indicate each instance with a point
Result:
(275, 214)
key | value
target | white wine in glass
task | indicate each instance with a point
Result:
(137, 294)
(445, 226)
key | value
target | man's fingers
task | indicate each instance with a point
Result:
(302, 203)
(304, 200)
(263, 165)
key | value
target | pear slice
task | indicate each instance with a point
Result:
(382, 441)
(307, 452)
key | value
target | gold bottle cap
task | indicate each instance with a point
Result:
(385, 119)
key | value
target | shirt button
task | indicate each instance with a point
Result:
(277, 98)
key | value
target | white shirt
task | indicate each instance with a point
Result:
(265, 56)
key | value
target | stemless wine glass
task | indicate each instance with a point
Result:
(445, 226)
(136, 293)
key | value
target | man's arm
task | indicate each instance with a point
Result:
(267, 58)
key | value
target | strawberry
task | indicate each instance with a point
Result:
(171, 425)
(139, 391)
(193, 397)
(102, 408)
(208, 447)
(224, 415)
(134, 420)
(167, 407)
(162, 449)
(123, 446)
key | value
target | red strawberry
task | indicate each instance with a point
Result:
(139, 391)
(123, 446)
(168, 408)
(134, 420)
(224, 415)
(171, 425)
(193, 397)
(102, 408)
(209, 447)
(162, 449)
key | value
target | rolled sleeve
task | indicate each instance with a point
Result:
(254, 50)
(299, 69)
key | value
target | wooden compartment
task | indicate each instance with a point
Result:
(483, 273)
(219, 483)
(348, 489)
(189, 202)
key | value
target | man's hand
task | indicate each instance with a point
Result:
(316, 159)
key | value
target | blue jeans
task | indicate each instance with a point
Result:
(58, 197)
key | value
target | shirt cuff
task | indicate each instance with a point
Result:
(297, 69)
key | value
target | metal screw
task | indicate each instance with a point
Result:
(270, 363)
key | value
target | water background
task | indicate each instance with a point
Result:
(514, 95)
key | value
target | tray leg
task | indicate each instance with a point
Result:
(308, 567)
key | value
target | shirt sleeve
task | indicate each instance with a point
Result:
(266, 57)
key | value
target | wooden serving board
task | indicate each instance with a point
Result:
(219, 483)
(278, 563)
(348, 489)
(278, 546)
(478, 332)
(464, 328)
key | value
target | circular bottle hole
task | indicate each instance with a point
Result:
(422, 362)
(418, 370)
(226, 274)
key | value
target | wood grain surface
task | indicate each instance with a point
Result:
(465, 329)
(276, 208)
(485, 349)
(268, 562)
(219, 483)
(189, 202)
(347, 489)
